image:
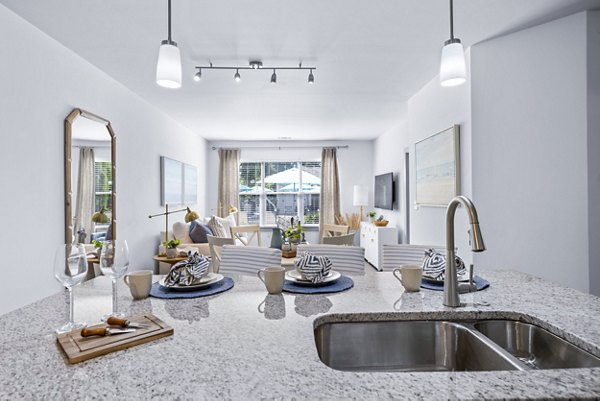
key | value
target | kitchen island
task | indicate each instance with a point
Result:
(235, 346)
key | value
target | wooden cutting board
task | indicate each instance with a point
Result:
(79, 349)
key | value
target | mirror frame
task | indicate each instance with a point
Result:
(69, 120)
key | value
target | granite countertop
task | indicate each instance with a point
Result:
(225, 348)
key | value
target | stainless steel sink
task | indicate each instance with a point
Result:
(428, 345)
(535, 346)
(408, 346)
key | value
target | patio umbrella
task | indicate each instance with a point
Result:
(305, 188)
(291, 176)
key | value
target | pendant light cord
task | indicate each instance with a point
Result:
(170, 21)
(451, 20)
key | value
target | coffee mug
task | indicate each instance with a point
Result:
(273, 278)
(139, 283)
(410, 277)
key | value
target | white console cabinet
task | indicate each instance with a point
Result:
(372, 238)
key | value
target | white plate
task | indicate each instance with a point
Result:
(461, 278)
(295, 277)
(209, 279)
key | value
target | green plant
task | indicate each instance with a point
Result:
(293, 233)
(172, 244)
(97, 243)
(371, 214)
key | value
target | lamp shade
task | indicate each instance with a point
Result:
(453, 70)
(168, 67)
(190, 215)
(361, 196)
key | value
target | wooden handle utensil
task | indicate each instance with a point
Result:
(99, 331)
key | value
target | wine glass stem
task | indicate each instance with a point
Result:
(114, 299)
(71, 306)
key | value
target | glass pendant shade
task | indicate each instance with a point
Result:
(453, 70)
(168, 67)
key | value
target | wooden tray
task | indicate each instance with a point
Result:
(79, 349)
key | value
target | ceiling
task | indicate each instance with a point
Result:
(371, 55)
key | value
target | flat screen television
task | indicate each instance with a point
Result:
(384, 191)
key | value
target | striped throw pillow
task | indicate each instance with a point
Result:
(216, 227)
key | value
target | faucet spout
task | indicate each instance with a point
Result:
(451, 297)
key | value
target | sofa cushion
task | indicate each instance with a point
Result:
(217, 228)
(181, 231)
(198, 233)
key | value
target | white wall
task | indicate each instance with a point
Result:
(529, 150)
(43, 81)
(355, 167)
(388, 157)
(593, 153)
(433, 109)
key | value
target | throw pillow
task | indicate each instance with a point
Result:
(226, 223)
(217, 227)
(181, 231)
(199, 233)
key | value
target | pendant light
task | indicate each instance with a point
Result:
(453, 70)
(168, 67)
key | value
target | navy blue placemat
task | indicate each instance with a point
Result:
(479, 282)
(158, 291)
(342, 284)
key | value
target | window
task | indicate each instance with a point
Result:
(103, 186)
(272, 189)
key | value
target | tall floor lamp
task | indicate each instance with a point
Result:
(189, 216)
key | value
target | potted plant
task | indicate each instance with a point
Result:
(97, 246)
(371, 215)
(171, 246)
(292, 235)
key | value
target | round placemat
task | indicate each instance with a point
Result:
(158, 291)
(342, 284)
(481, 284)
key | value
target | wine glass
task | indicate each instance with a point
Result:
(70, 269)
(114, 262)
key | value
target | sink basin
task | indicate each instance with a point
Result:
(408, 346)
(535, 346)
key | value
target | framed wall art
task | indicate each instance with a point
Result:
(437, 167)
(178, 182)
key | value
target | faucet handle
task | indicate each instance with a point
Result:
(470, 286)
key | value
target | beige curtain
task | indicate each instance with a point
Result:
(229, 180)
(85, 200)
(329, 205)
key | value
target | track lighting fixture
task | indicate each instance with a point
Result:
(453, 70)
(254, 65)
(168, 66)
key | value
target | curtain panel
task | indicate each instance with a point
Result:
(86, 193)
(330, 188)
(229, 180)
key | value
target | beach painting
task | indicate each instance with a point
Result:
(437, 166)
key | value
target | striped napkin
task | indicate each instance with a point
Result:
(434, 265)
(314, 268)
(188, 271)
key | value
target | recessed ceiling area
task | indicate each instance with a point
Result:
(371, 56)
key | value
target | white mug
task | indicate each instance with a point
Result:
(273, 278)
(410, 277)
(139, 283)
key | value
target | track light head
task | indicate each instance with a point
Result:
(198, 75)
(274, 77)
(237, 76)
(311, 77)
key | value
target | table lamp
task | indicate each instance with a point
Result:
(361, 198)
(189, 216)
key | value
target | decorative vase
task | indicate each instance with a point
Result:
(277, 238)
(171, 253)
(289, 250)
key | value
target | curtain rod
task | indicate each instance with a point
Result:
(286, 147)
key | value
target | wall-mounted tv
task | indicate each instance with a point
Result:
(384, 191)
